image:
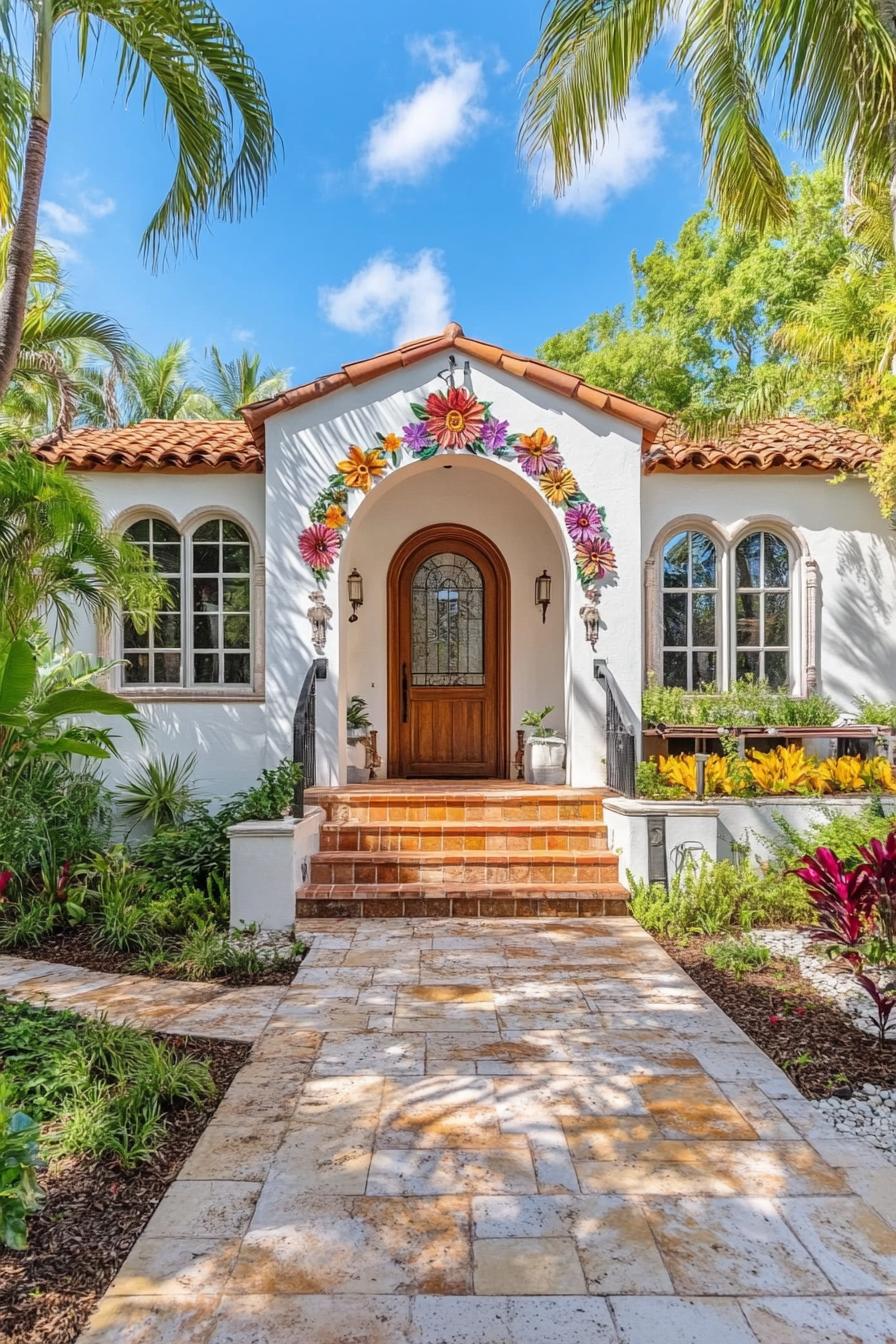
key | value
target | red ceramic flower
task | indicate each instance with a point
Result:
(319, 545)
(454, 418)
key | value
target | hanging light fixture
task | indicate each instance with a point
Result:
(543, 594)
(355, 585)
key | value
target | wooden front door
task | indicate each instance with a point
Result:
(448, 603)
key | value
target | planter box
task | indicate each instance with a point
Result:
(544, 760)
(268, 865)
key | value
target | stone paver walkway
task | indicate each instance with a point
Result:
(510, 1132)
(181, 1007)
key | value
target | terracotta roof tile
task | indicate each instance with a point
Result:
(453, 338)
(789, 443)
(187, 445)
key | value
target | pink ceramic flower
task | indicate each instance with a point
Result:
(583, 522)
(596, 558)
(319, 545)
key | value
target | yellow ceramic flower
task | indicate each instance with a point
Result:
(558, 485)
(392, 443)
(361, 468)
(335, 517)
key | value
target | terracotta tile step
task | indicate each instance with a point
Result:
(433, 868)
(475, 900)
(387, 803)
(464, 835)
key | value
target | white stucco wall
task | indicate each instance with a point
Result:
(302, 447)
(228, 734)
(843, 531)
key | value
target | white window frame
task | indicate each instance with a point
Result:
(110, 640)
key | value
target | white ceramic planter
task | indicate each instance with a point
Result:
(544, 760)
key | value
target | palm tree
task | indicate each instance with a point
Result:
(826, 67)
(56, 371)
(215, 102)
(157, 387)
(56, 555)
(230, 384)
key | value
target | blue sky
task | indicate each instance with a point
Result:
(399, 201)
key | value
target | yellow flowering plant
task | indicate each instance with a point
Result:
(782, 770)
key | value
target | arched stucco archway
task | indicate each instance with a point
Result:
(493, 499)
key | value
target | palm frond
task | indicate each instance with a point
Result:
(14, 110)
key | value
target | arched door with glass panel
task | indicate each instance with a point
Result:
(446, 658)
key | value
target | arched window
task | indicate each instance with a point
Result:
(690, 615)
(204, 638)
(762, 591)
(221, 604)
(154, 658)
(447, 631)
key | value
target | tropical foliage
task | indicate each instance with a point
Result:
(783, 770)
(20, 1193)
(824, 69)
(215, 107)
(747, 701)
(711, 897)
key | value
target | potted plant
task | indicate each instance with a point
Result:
(544, 759)
(357, 726)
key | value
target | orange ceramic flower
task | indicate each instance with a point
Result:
(335, 517)
(361, 468)
(392, 443)
(537, 452)
(558, 485)
(454, 418)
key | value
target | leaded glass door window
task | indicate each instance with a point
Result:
(447, 622)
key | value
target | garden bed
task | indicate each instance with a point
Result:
(93, 1214)
(809, 1037)
(77, 947)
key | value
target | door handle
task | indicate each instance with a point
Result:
(404, 692)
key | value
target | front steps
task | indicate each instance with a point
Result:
(456, 849)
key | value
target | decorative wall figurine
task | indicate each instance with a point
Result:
(320, 616)
(590, 615)
(454, 421)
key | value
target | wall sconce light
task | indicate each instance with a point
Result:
(355, 593)
(543, 594)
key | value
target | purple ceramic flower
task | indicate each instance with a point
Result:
(494, 434)
(415, 436)
(583, 522)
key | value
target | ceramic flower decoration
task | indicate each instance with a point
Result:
(454, 418)
(454, 421)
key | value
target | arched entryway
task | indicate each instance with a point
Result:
(448, 656)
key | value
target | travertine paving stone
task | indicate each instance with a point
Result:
(505, 1132)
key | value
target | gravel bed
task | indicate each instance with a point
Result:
(869, 1114)
(834, 981)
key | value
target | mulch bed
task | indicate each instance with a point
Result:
(93, 1214)
(814, 1041)
(75, 947)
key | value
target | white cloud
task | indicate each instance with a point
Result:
(414, 298)
(242, 335)
(61, 250)
(418, 133)
(96, 205)
(629, 155)
(61, 218)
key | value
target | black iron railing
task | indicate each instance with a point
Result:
(304, 734)
(621, 740)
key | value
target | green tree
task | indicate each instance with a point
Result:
(699, 339)
(215, 103)
(64, 354)
(158, 387)
(826, 70)
(56, 555)
(230, 384)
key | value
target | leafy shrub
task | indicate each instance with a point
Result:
(158, 791)
(101, 1090)
(208, 952)
(20, 1194)
(52, 805)
(844, 834)
(747, 702)
(738, 955)
(709, 897)
(649, 783)
(876, 712)
(271, 797)
(782, 770)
